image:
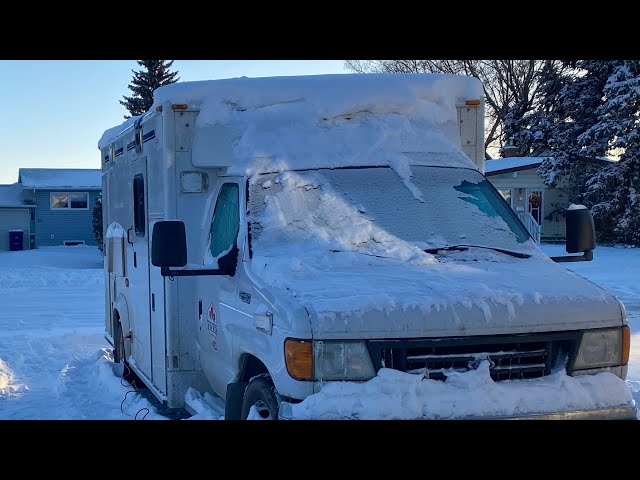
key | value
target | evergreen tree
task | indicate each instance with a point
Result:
(572, 113)
(596, 113)
(568, 111)
(154, 74)
(97, 223)
(614, 194)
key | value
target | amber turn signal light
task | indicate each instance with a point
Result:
(298, 356)
(626, 344)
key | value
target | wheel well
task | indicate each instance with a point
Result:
(250, 367)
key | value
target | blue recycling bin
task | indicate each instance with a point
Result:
(15, 240)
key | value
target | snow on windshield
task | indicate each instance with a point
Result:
(372, 211)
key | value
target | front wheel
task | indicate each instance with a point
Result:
(260, 399)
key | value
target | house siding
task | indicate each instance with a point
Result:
(53, 227)
(553, 226)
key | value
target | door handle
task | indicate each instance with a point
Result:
(263, 322)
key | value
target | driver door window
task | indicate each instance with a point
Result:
(226, 220)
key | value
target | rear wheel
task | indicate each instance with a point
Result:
(119, 355)
(120, 358)
(260, 399)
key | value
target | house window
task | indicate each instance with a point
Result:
(506, 194)
(73, 242)
(69, 201)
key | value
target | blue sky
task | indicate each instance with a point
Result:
(55, 111)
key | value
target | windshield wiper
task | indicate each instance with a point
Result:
(466, 247)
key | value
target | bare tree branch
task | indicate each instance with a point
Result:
(506, 83)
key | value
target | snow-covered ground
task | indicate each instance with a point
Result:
(54, 360)
(56, 364)
(618, 269)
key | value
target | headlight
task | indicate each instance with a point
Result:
(328, 360)
(603, 348)
(342, 361)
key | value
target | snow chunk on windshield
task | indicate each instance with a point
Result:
(304, 211)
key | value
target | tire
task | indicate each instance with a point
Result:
(120, 358)
(261, 394)
(118, 349)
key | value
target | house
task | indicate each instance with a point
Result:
(63, 200)
(15, 214)
(517, 180)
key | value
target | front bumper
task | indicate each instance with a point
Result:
(622, 412)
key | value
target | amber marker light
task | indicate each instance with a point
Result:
(626, 344)
(179, 106)
(298, 356)
(472, 102)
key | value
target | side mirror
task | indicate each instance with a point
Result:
(169, 244)
(581, 234)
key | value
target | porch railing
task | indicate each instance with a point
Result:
(531, 225)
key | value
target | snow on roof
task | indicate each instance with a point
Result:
(43, 178)
(11, 196)
(280, 123)
(511, 163)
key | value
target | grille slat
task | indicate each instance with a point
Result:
(522, 368)
(479, 354)
(510, 357)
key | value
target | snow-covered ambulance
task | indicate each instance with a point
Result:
(268, 239)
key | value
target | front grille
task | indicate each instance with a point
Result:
(510, 357)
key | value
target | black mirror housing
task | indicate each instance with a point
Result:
(581, 235)
(169, 244)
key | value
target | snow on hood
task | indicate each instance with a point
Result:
(471, 292)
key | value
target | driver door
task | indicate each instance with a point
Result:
(217, 294)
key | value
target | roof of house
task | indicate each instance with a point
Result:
(510, 164)
(514, 164)
(11, 196)
(56, 178)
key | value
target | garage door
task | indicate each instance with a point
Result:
(13, 219)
